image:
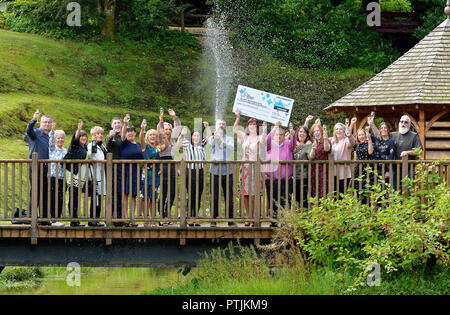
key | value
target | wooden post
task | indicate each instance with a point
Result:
(109, 192)
(422, 131)
(183, 193)
(330, 172)
(182, 21)
(404, 173)
(34, 197)
(257, 205)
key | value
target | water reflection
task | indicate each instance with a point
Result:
(103, 281)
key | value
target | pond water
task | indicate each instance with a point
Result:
(102, 281)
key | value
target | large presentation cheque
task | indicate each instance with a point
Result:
(263, 105)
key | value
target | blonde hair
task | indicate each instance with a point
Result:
(335, 140)
(152, 131)
(95, 130)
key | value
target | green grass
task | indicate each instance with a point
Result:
(250, 275)
(95, 80)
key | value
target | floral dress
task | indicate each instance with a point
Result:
(362, 153)
(248, 171)
(321, 154)
(151, 153)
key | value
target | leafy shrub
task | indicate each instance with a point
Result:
(309, 33)
(137, 18)
(21, 274)
(431, 13)
(403, 233)
(395, 5)
(2, 20)
(49, 17)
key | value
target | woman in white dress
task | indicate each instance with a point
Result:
(97, 151)
(251, 142)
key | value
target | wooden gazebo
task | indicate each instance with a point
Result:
(417, 85)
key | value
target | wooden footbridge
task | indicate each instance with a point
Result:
(146, 236)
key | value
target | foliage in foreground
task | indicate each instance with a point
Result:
(405, 232)
(20, 278)
(326, 250)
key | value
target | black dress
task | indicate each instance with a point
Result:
(362, 153)
(384, 150)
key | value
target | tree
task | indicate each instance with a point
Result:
(107, 9)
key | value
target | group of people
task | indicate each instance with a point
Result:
(162, 143)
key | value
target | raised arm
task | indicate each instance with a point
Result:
(307, 120)
(123, 134)
(264, 133)
(369, 143)
(312, 153)
(292, 141)
(349, 133)
(326, 142)
(207, 130)
(52, 140)
(239, 134)
(30, 127)
(142, 136)
(165, 144)
(372, 125)
(79, 127)
(181, 137)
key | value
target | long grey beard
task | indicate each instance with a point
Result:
(403, 130)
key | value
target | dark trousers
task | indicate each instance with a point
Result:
(196, 188)
(167, 189)
(73, 204)
(278, 200)
(43, 211)
(95, 202)
(56, 206)
(227, 193)
(117, 195)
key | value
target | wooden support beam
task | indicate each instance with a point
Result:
(435, 118)
(413, 121)
(422, 131)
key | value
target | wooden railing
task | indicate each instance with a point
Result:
(27, 185)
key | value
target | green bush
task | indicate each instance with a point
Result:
(136, 19)
(432, 14)
(395, 5)
(49, 17)
(403, 233)
(309, 33)
(2, 20)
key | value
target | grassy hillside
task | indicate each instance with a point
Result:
(97, 80)
(91, 80)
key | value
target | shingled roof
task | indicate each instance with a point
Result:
(420, 76)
